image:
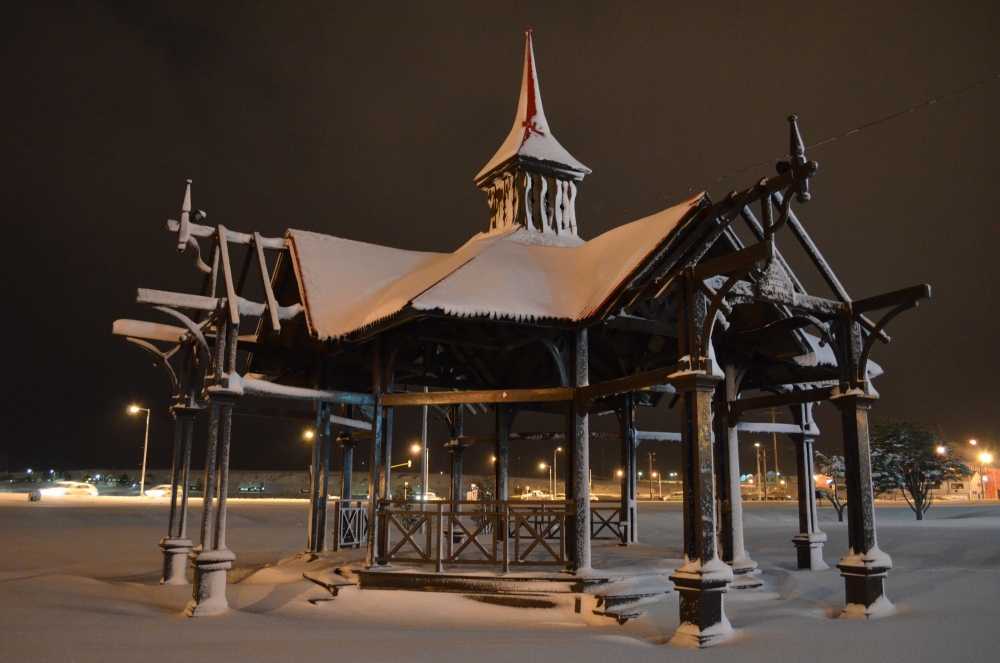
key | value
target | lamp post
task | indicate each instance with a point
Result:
(542, 466)
(757, 447)
(421, 450)
(135, 409)
(555, 477)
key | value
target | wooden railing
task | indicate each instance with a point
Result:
(504, 534)
(350, 528)
(605, 522)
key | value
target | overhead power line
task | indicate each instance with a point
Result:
(869, 125)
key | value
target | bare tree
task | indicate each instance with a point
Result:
(833, 467)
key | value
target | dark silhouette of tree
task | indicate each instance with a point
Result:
(913, 458)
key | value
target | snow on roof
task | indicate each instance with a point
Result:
(347, 286)
(530, 135)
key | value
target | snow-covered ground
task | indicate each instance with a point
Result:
(78, 582)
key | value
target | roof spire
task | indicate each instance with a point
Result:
(532, 160)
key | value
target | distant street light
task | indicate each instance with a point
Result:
(135, 409)
(942, 450)
(973, 442)
(309, 435)
(554, 476)
(542, 466)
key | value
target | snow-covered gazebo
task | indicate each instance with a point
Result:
(527, 316)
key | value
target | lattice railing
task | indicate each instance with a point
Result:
(605, 522)
(350, 518)
(503, 534)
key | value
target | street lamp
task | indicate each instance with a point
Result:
(942, 450)
(135, 409)
(309, 435)
(542, 466)
(420, 449)
(554, 476)
(973, 442)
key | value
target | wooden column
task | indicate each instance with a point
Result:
(376, 484)
(501, 451)
(809, 541)
(347, 476)
(176, 545)
(320, 486)
(211, 559)
(865, 567)
(702, 580)
(578, 452)
(627, 438)
(457, 450)
(732, 549)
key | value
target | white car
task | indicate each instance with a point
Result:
(428, 497)
(536, 495)
(70, 489)
(162, 490)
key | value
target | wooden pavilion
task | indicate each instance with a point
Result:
(527, 316)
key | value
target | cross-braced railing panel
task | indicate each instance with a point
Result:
(488, 533)
(350, 519)
(605, 522)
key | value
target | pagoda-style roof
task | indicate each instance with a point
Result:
(516, 274)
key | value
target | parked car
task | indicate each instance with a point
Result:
(162, 490)
(70, 489)
(535, 495)
(429, 496)
(675, 496)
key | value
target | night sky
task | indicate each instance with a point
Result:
(369, 121)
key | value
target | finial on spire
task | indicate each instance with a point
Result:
(531, 180)
(797, 151)
(184, 227)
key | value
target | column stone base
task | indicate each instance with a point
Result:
(210, 567)
(745, 573)
(809, 549)
(175, 557)
(703, 618)
(864, 579)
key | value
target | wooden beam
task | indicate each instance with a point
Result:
(758, 252)
(485, 396)
(265, 278)
(176, 300)
(153, 331)
(227, 273)
(636, 324)
(767, 427)
(797, 397)
(198, 230)
(621, 385)
(906, 295)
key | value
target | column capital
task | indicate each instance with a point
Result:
(182, 411)
(695, 381)
(853, 401)
(455, 445)
(346, 441)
